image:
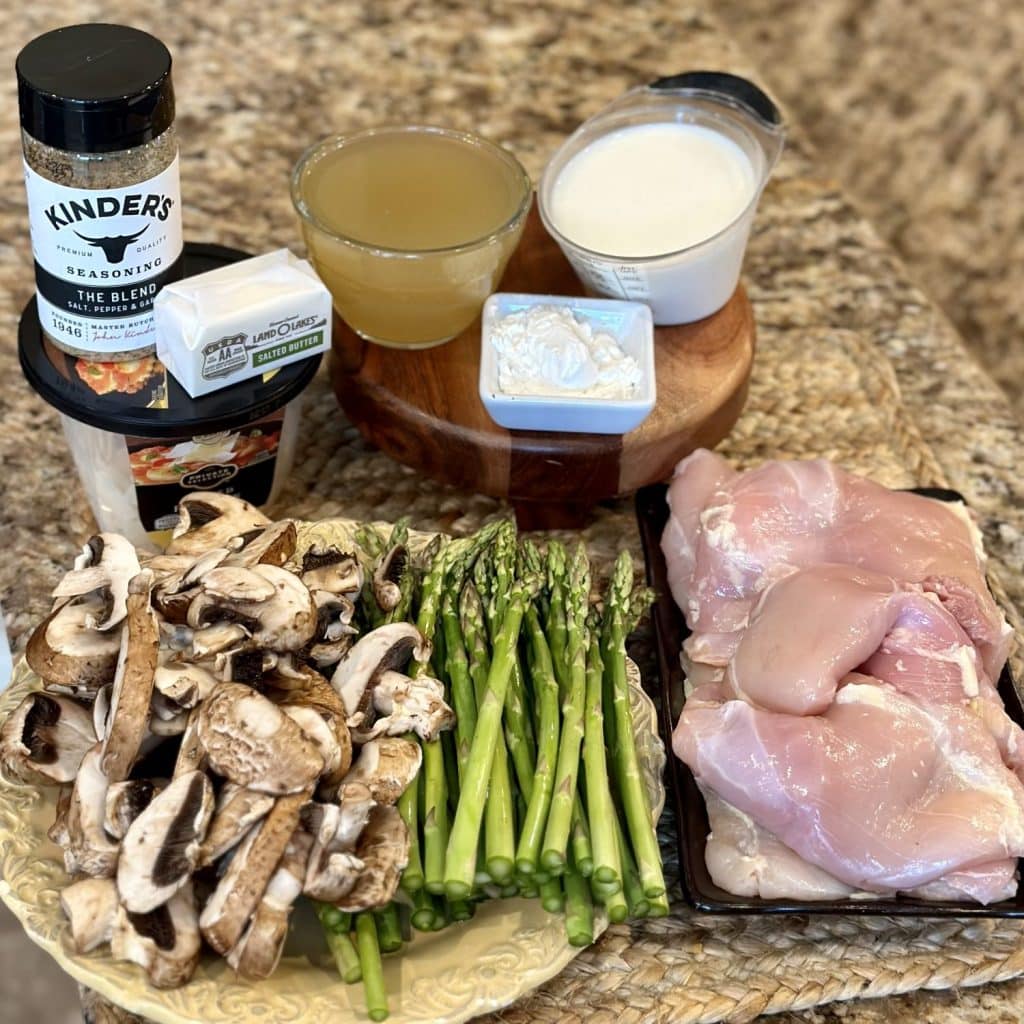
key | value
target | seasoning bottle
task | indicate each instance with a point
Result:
(101, 172)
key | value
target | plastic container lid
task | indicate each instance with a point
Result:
(139, 397)
(95, 88)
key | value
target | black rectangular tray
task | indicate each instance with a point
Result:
(700, 891)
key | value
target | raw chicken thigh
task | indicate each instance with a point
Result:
(844, 724)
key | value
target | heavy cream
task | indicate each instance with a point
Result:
(651, 189)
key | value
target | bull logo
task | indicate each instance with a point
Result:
(114, 248)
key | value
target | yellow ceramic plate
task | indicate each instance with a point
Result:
(509, 948)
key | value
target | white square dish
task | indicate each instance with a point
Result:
(631, 325)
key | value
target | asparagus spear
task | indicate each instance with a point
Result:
(463, 697)
(552, 897)
(532, 830)
(636, 901)
(408, 807)
(422, 911)
(373, 969)
(336, 927)
(579, 840)
(556, 626)
(556, 835)
(579, 909)
(499, 825)
(627, 770)
(462, 844)
(614, 903)
(600, 809)
(389, 929)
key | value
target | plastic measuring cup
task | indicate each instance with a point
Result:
(693, 282)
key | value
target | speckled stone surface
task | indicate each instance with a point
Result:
(257, 83)
(914, 107)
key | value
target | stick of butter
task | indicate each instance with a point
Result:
(241, 321)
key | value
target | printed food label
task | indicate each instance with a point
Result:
(239, 462)
(101, 257)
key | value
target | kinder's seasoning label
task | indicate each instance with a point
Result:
(239, 462)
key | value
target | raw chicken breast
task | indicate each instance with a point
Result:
(732, 534)
(879, 792)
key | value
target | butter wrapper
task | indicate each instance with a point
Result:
(241, 321)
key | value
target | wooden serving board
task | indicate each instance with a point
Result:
(423, 407)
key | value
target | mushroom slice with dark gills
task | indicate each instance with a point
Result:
(133, 682)
(90, 905)
(335, 633)
(387, 576)
(271, 603)
(408, 705)
(161, 847)
(103, 569)
(258, 952)
(382, 650)
(124, 803)
(176, 586)
(67, 653)
(45, 738)
(165, 942)
(332, 570)
(244, 666)
(271, 545)
(383, 848)
(183, 682)
(252, 742)
(89, 850)
(387, 765)
(238, 809)
(245, 879)
(333, 866)
(211, 520)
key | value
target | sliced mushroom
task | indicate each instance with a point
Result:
(258, 952)
(211, 520)
(133, 682)
(252, 742)
(383, 848)
(333, 866)
(165, 942)
(271, 603)
(387, 765)
(89, 850)
(90, 905)
(191, 755)
(273, 545)
(409, 705)
(318, 728)
(387, 576)
(45, 738)
(104, 569)
(124, 803)
(65, 651)
(183, 682)
(212, 640)
(243, 884)
(58, 831)
(175, 590)
(381, 650)
(238, 809)
(101, 711)
(161, 847)
(331, 569)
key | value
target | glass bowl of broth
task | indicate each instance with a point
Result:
(410, 227)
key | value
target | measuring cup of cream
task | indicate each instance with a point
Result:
(652, 198)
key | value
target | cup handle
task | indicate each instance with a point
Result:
(742, 90)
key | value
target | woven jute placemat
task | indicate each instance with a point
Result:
(824, 393)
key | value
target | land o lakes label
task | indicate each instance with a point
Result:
(101, 257)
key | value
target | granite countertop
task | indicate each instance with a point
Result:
(256, 83)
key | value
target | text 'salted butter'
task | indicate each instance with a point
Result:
(241, 321)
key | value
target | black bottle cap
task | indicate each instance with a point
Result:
(95, 88)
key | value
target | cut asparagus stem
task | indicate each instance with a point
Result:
(389, 929)
(630, 784)
(373, 969)
(441, 914)
(499, 827)
(551, 896)
(579, 909)
(422, 917)
(531, 832)
(636, 901)
(600, 809)
(556, 834)
(659, 906)
(529, 890)
(462, 845)
(614, 904)
(336, 926)
(408, 807)
(461, 910)
(579, 840)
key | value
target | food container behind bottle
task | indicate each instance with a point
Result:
(140, 443)
(693, 282)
